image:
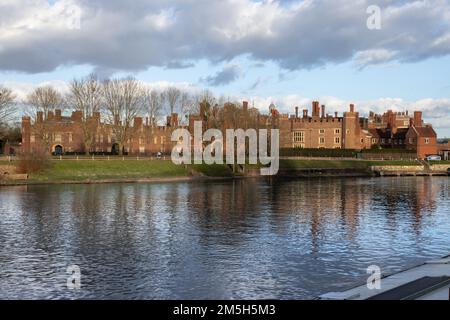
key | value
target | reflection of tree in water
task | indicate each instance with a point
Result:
(230, 206)
(410, 197)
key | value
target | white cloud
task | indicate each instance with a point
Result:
(116, 35)
(436, 111)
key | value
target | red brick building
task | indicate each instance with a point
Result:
(320, 130)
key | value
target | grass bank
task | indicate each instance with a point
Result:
(128, 170)
(72, 170)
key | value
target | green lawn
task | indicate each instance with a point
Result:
(113, 169)
(439, 162)
(215, 170)
(83, 170)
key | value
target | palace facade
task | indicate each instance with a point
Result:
(318, 130)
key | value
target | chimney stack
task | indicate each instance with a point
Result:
(352, 107)
(245, 105)
(418, 119)
(58, 115)
(305, 113)
(323, 111)
(336, 114)
(296, 112)
(40, 116)
(315, 109)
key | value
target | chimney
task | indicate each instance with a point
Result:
(305, 113)
(315, 109)
(174, 120)
(336, 114)
(352, 107)
(146, 121)
(40, 116)
(296, 112)
(50, 115)
(137, 122)
(323, 111)
(245, 105)
(58, 115)
(418, 119)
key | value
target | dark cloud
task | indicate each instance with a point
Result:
(179, 65)
(225, 76)
(118, 35)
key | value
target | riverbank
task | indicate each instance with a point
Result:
(147, 171)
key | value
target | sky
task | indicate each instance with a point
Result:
(288, 52)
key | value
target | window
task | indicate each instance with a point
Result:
(362, 140)
(299, 136)
(337, 140)
(155, 140)
(163, 139)
(101, 138)
(141, 141)
(383, 141)
(70, 137)
(58, 137)
(337, 131)
(427, 140)
(33, 138)
(374, 141)
(109, 138)
(322, 131)
(321, 140)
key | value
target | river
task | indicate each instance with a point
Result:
(241, 239)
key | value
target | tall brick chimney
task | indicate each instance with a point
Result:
(174, 120)
(418, 119)
(245, 106)
(305, 113)
(335, 114)
(58, 115)
(296, 112)
(323, 111)
(40, 116)
(352, 107)
(137, 122)
(315, 109)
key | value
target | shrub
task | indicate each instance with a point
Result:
(33, 161)
(334, 153)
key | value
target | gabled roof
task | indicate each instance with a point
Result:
(426, 132)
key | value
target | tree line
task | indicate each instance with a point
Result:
(117, 100)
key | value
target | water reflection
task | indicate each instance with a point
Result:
(232, 239)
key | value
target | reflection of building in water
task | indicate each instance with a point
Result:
(321, 205)
(413, 197)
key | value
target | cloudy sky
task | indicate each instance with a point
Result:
(288, 51)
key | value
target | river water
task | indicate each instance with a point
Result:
(243, 239)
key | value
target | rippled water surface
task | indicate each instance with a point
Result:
(217, 240)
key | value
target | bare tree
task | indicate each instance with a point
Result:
(172, 96)
(42, 100)
(86, 96)
(187, 104)
(123, 101)
(154, 102)
(7, 98)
